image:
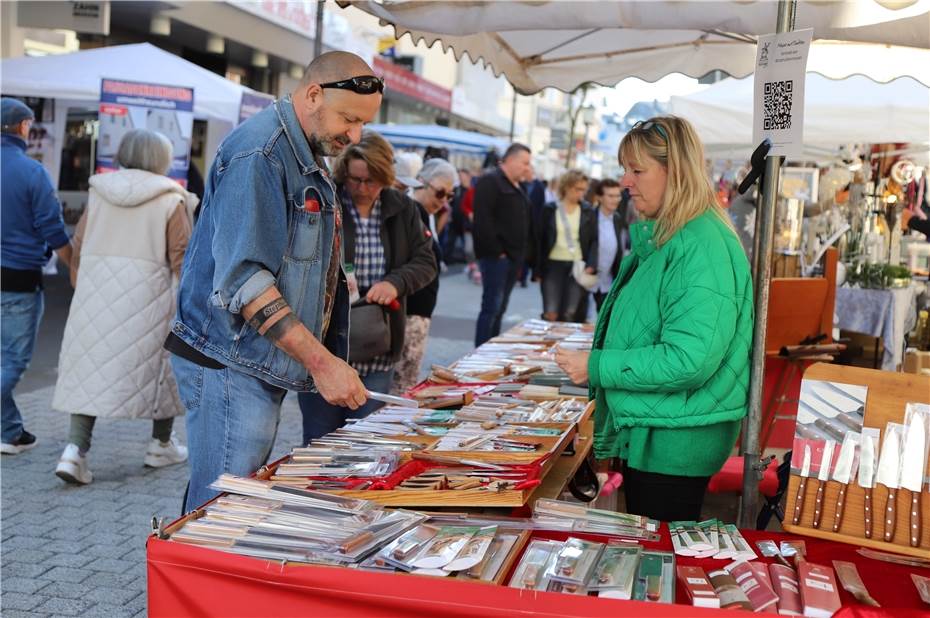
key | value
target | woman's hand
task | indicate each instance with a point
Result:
(381, 293)
(574, 363)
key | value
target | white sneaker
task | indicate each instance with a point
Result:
(161, 454)
(72, 467)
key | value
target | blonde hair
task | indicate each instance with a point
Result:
(377, 154)
(673, 142)
(568, 180)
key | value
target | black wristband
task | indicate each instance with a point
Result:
(279, 328)
(264, 314)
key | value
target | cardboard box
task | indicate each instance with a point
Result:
(916, 361)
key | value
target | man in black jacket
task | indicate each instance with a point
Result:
(501, 236)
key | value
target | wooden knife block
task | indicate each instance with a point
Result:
(888, 394)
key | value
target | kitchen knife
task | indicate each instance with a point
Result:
(913, 464)
(822, 477)
(843, 473)
(802, 485)
(867, 477)
(889, 474)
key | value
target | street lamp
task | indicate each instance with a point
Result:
(587, 117)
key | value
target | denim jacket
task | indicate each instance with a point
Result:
(269, 216)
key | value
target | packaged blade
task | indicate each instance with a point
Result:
(913, 457)
(867, 461)
(825, 462)
(806, 465)
(843, 472)
(889, 458)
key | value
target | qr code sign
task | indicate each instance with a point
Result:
(776, 105)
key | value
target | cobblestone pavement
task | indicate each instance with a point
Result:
(80, 551)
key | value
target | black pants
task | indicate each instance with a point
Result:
(663, 496)
(561, 294)
(599, 298)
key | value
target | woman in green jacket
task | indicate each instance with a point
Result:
(669, 368)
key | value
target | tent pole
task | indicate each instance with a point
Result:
(318, 34)
(765, 212)
(513, 114)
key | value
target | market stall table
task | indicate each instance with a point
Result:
(888, 314)
(185, 580)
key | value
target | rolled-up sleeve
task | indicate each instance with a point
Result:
(46, 210)
(249, 215)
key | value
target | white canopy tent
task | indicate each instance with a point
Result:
(566, 43)
(423, 136)
(851, 110)
(540, 43)
(74, 80)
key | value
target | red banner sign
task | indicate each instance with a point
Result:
(401, 80)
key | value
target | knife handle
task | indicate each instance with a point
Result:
(799, 501)
(868, 512)
(818, 504)
(915, 518)
(890, 514)
(840, 503)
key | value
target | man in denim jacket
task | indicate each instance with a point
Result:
(263, 304)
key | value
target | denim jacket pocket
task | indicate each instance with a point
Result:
(306, 230)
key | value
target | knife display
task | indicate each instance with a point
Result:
(913, 464)
(823, 475)
(866, 479)
(802, 485)
(889, 474)
(843, 473)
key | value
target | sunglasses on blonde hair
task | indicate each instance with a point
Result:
(645, 127)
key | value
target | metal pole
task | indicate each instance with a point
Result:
(318, 35)
(765, 213)
(513, 114)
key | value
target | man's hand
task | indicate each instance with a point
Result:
(381, 293)
(574, 363)
(338, 382)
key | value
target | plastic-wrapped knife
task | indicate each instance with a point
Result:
(913, 464)
(823, 475)
(802, 485)
(889, 474)
(867, 454)
(843, 473)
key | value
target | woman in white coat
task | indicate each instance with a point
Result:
(128, 248)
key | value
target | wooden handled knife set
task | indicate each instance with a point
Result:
(860, 459)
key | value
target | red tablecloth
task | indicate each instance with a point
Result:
(191, 581)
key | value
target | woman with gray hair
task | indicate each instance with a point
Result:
(437, 177)
(128, 249)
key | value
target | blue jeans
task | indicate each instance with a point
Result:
(321, 418)
(232, 420)
(20, 314)
(498, 276)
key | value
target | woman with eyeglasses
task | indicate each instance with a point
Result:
(437, 183)
(567, 232)
(669, 368)
(389, 252)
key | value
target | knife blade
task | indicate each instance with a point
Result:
(889, 474)
(823, 475)
(802, 485)
(913, 464)
(867, 476)
(843, 473)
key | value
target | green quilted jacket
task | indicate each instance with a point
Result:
(669, 368)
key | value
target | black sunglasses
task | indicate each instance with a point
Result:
(440, 193)
(366, 84)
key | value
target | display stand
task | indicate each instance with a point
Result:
(888, 393)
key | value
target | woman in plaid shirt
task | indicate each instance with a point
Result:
(391, 252)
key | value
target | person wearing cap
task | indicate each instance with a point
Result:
(31, 227)
(406, 167)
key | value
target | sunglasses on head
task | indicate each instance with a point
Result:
(366, 84)
(648, 126)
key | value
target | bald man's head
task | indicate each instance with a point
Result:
(334, 66)
(333, 117)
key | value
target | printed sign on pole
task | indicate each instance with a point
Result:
(778, 107)
(168, 110)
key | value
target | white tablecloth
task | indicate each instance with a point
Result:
(888, 314)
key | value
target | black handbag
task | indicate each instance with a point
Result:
(369, 332)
